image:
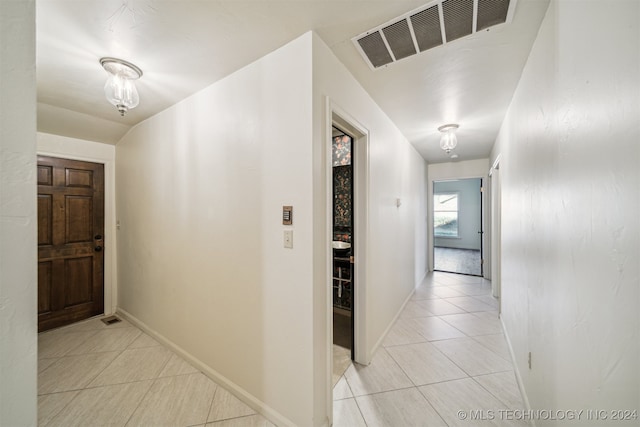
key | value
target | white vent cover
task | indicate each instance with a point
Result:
(432, 25)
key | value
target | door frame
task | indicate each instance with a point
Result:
(110, 244)
(360, 151)
(496, 228)
(483, 252)
(448, 176)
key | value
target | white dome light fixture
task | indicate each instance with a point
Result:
(120, 89)
(448, 140)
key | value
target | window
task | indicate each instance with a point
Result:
(445, 215)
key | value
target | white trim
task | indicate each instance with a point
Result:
(361, 223)
(110, 237)
(246, 397)
(523, 391)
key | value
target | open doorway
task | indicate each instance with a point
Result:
(457, 226)
(343, 248)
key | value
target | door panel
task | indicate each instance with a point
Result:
(70, 259)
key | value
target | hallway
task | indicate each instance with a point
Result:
(445, 354)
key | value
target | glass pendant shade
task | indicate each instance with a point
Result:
(448, 140)
(120, 89)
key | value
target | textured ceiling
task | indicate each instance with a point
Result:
(184, 46)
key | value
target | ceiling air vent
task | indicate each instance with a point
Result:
(432, 25)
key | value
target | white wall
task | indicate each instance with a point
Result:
(200, 190)
(90, 151)
(396, 239)
(461, 170)
(570, 178)
(18, 218)
(469, 213)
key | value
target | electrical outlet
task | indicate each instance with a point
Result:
(529, 360)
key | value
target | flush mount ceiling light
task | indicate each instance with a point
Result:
(120, 89)
(448, 140)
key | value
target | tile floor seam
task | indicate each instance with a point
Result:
(364, 420)
(434, 406)
(213, 399)
(386, 391)
(457, 329)
(469, 375)
(452, 361)
(144, 396)
(61, 409)
(506, 406)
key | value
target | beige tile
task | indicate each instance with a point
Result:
(489, 300)
(491, 316)
(447, 279)
(424, 292)
(73, 372)
(424, 364)
(470, 304)
(111, 405)
(225, 406)
(440, 307)
(433, 328)
(347, 414)
(473, 290)
(451, 397)
(414, 309)
(49, 405)
(503, 385)
(142, 341)
(181, 400)
(496, 343)
(401, 333)
(177, 366)
(45, 363)
(250, 421)
(447, 292)
(341, 362)
(58, 345)
(472, 357)
(134, 365)
(107, 340)
(383, 374)
(406, 407)
(341, 390)
(94, 324)
(473, 325)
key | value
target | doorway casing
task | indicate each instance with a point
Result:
(360, 151)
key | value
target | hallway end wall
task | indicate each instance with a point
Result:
(569, 157)
(460, 170)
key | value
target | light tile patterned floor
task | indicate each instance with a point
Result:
(92, 374)
(446, 353)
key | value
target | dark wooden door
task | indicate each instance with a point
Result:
(70, 241)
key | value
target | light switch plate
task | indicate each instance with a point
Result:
(288, 239)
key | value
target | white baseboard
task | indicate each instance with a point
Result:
(393, 322)
(246, 397)
(523, 392)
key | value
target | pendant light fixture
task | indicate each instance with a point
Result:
(120, 88)
(448, 140)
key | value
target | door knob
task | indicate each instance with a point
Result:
(98, 248)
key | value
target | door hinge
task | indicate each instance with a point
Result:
(352, 260)
(482, 189)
